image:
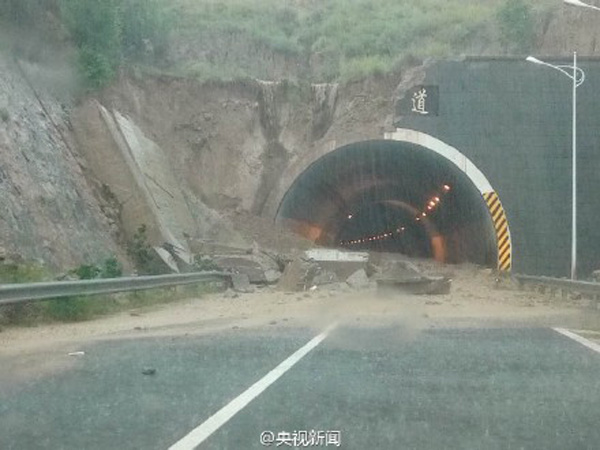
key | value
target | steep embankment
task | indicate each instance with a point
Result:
(49, 210)
(232, 141)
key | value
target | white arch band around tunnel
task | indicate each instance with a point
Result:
(498, 215)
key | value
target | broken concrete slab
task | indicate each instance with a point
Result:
(298, 275)
(260, 269)
(325, 277)
(423, 286)
(272, 276)
(167, 259)
(400, 271)
(206, 247)
(332, 254)
(251, 269)
(342, 263)
(241, 283)
(403, 276)
(359, 280)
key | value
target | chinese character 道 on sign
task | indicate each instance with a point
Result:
(419, 104)
(420, 101)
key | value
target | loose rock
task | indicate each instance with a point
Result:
(358, 280)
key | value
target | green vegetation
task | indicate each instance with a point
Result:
(11, 272)
(204, 263)
(73, 309)
(516, 26)
(311, 40)
(110, 268)
(110, 32)
(24, 12)
(143, 255)
(344, 39)
(77, 309)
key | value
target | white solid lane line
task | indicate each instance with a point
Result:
(221, 417)
(583, 341)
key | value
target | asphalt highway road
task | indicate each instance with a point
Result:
(375, 387)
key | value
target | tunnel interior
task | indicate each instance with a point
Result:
(391, 196)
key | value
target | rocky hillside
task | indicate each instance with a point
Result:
(50, 211)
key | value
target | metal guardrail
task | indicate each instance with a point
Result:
(16, 293)
(582, 287)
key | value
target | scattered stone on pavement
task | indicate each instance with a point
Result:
(404, 276)
(230, 293)
(148, 371)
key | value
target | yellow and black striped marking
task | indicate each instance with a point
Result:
(502, 231)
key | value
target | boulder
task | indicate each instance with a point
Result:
(359, 280)
(260, 268)
(272, 276)
(298, 275)
(241, 283)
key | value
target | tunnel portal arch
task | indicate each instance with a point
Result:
(412, 142)
(491, 197)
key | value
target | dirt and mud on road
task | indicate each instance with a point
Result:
(477, 299)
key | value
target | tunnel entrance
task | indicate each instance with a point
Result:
(392, 196)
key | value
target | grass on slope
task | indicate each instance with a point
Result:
(352, 38)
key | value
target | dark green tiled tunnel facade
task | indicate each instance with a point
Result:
(512, 119)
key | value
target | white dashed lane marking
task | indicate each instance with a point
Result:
(221, 417)
(583, 341)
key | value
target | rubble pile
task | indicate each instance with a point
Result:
(329, 269)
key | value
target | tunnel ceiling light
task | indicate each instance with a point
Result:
(350, 216)
(446, 187)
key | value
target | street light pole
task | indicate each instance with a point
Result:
(574, 175)
(578, 77)
(575, 84)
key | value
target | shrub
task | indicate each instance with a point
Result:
(110, 268)
(22, 273)
(144, 29)
(87, 272)
(358, 68)
(69, 309)
(107, 31)
(21, 313)
(143, 255)
(95, 68)
(23, 12)
(516, 26)
(202, 263)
